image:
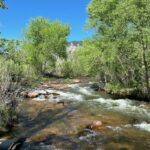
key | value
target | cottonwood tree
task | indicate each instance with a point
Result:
(123, 31)
(45, 42)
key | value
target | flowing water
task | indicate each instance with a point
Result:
(126, 123)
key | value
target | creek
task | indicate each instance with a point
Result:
(59, 120)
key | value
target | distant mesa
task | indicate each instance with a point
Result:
(72, 46)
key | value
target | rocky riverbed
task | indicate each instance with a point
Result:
(58, 115)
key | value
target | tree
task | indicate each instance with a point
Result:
(2, 4)
(45, 42)
(85, 60)
(123, 31)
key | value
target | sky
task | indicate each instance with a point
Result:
(14, 20)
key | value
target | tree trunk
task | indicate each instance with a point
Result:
(146, 71)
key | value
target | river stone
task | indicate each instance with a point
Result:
(32, 95)
(95, 125)
(95, 87)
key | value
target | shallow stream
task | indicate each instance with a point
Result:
(51, 125)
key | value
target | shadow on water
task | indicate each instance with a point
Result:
(46, 119)
(43, 120)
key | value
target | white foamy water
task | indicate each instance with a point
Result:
(117, 129)
(123, 105)
(143, 126)
(85, 91)
(64, 95)
(80, 93)
(82, 90)
(71, 96)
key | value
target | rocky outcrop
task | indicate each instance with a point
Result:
(72, 46)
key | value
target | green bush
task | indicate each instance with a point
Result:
(8, 94)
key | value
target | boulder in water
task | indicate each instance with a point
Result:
(95, 125)
(32, 95)
(97, 87)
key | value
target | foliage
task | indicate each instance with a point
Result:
(84, 61)
(122, 29)
(64, 67)
(8, 96)
(45, 42)
(2, 4)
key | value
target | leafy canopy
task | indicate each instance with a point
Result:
(45, 42)
(123, 31)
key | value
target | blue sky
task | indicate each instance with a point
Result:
(14, 20)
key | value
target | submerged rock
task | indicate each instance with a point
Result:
(95, 125)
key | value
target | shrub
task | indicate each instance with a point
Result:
(8, 97)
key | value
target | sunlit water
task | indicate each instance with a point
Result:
(126, 123)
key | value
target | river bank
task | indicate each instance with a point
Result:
(130, 93)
